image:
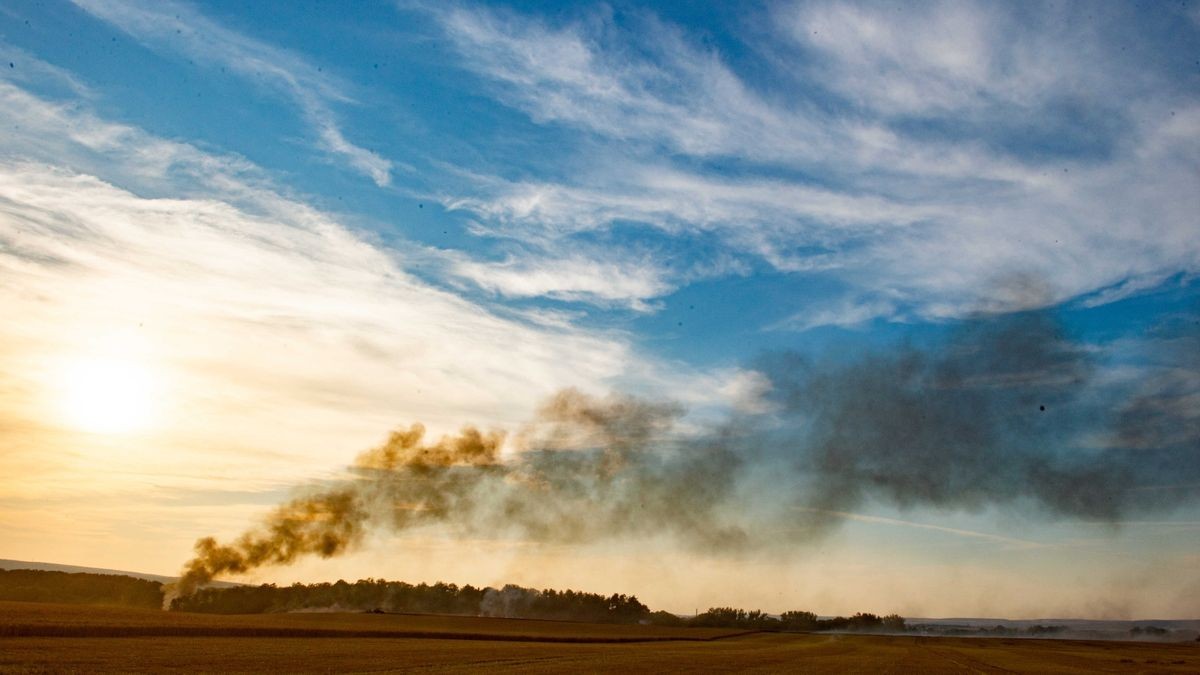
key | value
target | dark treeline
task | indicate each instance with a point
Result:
(728, 617)
(366, 594)
(398, 596)
(371, 595)
(79, 588)
(510, 601)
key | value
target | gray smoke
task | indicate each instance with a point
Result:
(1007, 412)
(509, 602)
(993, 417)
(590, 469)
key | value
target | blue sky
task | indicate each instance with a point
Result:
(311, 222)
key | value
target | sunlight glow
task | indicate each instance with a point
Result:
(108, 395)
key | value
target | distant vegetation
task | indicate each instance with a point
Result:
(728, 617)
(998, 630)
(510, 601)
(397, 596)
(1054, 631)
(79, 588)
(515, 602)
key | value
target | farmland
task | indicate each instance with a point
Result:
(52, 638)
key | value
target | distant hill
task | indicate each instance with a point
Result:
(76, 569)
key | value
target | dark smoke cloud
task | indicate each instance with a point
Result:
(1164, 412)
(987, 419)
(1006, 412)
(1010, 411)
(588, 469)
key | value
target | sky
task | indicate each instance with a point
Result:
(835, 253)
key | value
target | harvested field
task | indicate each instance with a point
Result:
(368, 642)
(18, 619)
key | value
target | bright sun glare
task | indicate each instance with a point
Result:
(108, 396)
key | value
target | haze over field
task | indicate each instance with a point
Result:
(792, 305)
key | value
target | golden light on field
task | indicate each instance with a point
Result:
(108, 395)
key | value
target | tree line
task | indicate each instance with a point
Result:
(398, 596)
(379, 595)
(511, 602)
(729, 617)
(81, 588)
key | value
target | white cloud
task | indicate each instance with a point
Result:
(676, 201)
(935, 220)
(577, 278)
(683, 96)
(768, 218)
(668, 91)
(311, 328)
(846, 314)
(172, 26)
(283, 341)
(909, 59)
(968, 61)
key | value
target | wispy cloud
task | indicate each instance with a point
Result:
(675, 200)
(175, 27)
(958, 532)
(271, 327)
(589, 75)
(210, 287)
(274, 327)
(30, 71)
(794, 227)
(948, 154)
(936, 58)
(588, 279)
(846, 313)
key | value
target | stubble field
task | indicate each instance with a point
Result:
(36, 638)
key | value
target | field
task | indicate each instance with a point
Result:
(36, 638)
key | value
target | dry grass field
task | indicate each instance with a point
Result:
(57, 638)
(20, 619)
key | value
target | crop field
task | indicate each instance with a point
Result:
(20, 619)
(37, 638)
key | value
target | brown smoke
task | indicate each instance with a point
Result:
(589, 468)
(324, 524)
(1005, 412)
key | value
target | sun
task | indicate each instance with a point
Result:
(108, 395)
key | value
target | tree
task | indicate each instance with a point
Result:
(798, 620)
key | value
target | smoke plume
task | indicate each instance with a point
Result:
(588, 469)
(994, 417)
(1006, 412)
